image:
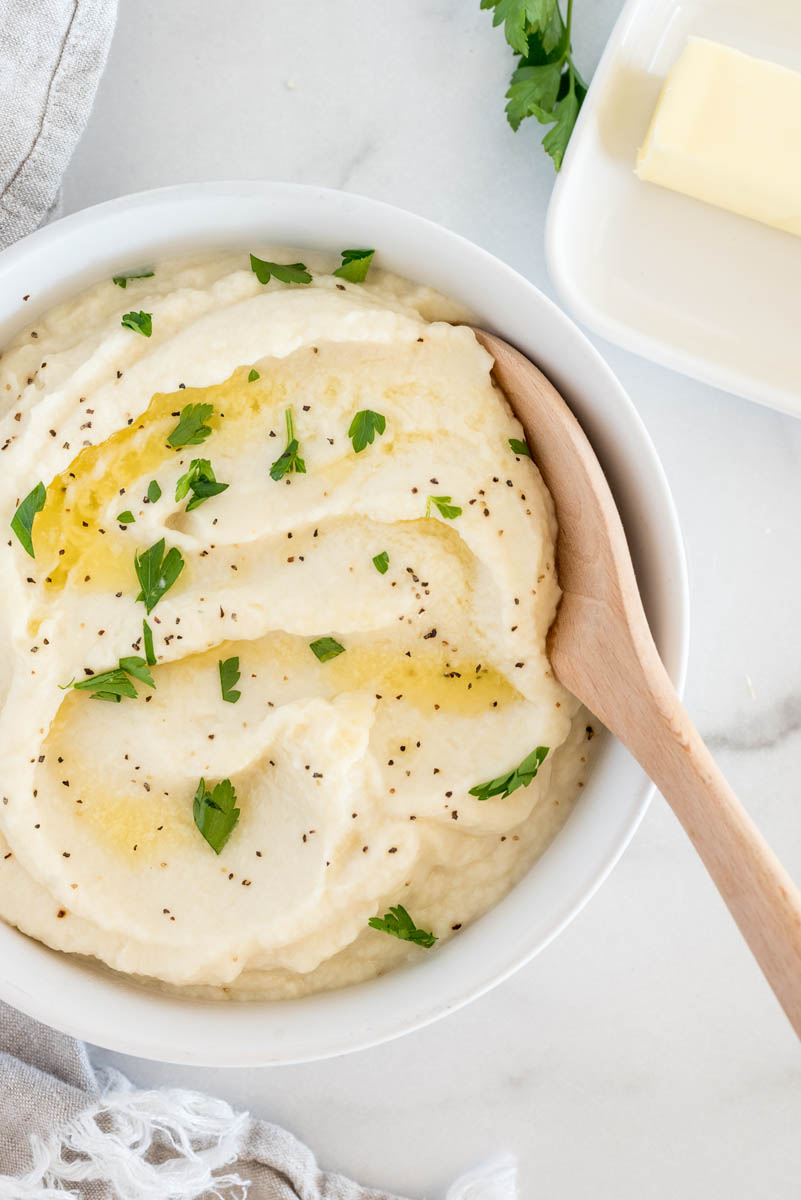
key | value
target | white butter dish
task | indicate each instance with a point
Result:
(694, 287)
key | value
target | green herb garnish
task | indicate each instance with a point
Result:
(138, 667)
(140, 322)
(114, 684)
(147, 635)
(519, 447)
(443, 504)
(157, 574)
(126, 518)
(253, 375)
(122, 280)
(22, 521)
(153, 491)
(290, 460)
(191, 429)
(216, 813)
(364, 426)
(325, 648)
(355, 265)
(229, 678)
(546, 83)
(381, 562)
(201, 481)
(399, 924)
(522, 776)
(108, 685)
(287, 273)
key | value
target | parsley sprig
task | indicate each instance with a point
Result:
(546, 83)
(147, 638)
(363, 428)
(355, 265)
(201, 481)
(290, 460)
(444, 507)
(22, 521)
(191, 429)
(326, 648)
(229, 678)
(522, 776)
(216, 813)
(140, 322)
(122, 280)
(286, 272)
(114, 684)
(399, 924)
(157, 573)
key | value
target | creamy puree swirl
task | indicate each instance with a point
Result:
(352, 775)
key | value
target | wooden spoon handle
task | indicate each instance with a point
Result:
(764, 901)
(760, 895)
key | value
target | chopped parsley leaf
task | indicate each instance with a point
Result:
(443, 504)
(147, 636)
(157, 573)
(108, 685)
(229, 678)
(355, 265)
(22, 521)
(201, 481)
(153, 491)
(325, 648)
(381, 562)
(520, 447)
(364, 426)
(114, 684)
(290, 460)
(399, 924)
(253, 375)
(191, 429)
(522, 776)
(122, 280)
(140, 322)
(216, 813)
(126, 518)
(287, 273)
(137, 667)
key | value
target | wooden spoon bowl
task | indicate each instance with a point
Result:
(601, 649)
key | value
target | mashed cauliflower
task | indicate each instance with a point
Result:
(354, 638)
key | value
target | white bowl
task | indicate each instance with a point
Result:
(59, 261)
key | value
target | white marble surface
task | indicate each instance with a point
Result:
(641, 1055)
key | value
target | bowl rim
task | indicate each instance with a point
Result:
(116, 1013)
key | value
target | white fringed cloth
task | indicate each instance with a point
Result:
(69, 1130)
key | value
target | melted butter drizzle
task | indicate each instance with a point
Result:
(77, 541)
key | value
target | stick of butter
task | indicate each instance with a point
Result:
(727, 130)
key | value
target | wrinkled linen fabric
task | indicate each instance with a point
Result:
(67, 1129)
(52, 54)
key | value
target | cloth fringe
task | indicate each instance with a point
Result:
(191, 1136)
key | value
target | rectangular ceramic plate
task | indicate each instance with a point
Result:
(691, 286)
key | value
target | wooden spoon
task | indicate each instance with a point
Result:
(601, 649)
